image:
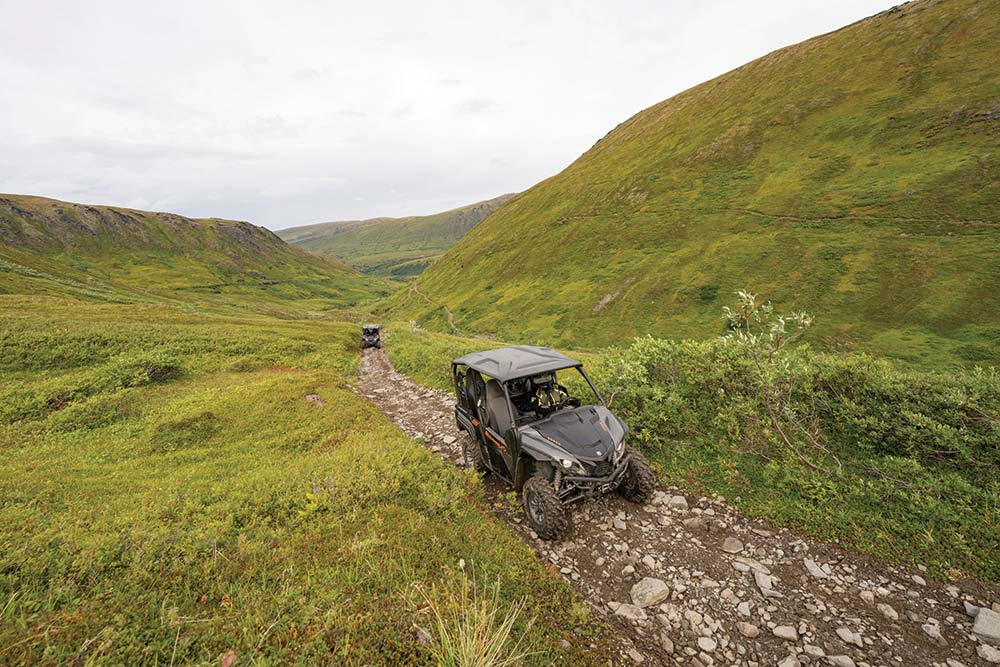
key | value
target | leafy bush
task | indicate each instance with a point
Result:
(889, 459)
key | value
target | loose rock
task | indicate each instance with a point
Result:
(987, 625)
(707, 644)
(649, 591)
(840, 661)
(887, 611)
(731, 545)
(678, 502)
(814, 569)
(630, 612)
(988, 653)
(850, 637)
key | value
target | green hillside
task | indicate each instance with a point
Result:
(190, 477)
(108, 253)
(396, 247)
(856, 174)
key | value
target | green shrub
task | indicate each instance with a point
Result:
(137, 369)
(187, 432)
(887, 459)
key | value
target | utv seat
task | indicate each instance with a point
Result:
(496, 406)
(474, 387)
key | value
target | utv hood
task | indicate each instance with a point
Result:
(589, 433)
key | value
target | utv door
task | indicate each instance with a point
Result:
(501, 454)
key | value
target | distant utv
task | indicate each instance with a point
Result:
(525, 427)
(371, 336)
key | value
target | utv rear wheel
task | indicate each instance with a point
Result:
(473, 455)
(546, 513)
(639, 481)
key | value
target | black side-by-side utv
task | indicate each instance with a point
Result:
(526, 428)
(370, 336)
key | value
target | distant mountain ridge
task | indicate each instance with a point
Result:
(855, 175)
(47, 246)
(398, 247)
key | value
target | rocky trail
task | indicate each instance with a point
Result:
(688, 580)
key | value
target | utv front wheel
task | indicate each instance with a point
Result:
(546, 513)
(473, 455)
(639, 481)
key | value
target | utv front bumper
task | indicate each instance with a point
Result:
(574, 487)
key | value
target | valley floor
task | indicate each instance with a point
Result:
(735, 591)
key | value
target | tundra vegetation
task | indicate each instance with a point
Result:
(856, 174)
(889, 460)
(180, 484)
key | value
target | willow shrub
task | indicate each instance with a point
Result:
(895, 461)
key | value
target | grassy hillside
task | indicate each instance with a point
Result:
(396, 247)
(188, 474)
(896, 463)
(856, 174)
(107, 253)
(177, 486)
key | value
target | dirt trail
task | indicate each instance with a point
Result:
(447, 310)
(737, 592)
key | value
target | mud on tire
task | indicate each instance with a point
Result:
(472, 454)
(546, 513)
(639, 481)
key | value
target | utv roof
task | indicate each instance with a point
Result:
(369, 326)
(509, 363)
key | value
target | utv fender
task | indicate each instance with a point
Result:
(541, 449)
(528, 468)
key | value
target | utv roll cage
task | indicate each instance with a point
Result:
(513, 363)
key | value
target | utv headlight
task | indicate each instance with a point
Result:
(573, 467)
(567, 464)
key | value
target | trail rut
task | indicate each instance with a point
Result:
(738, 592)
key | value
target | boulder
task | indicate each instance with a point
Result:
(987, 625)
(649, 591)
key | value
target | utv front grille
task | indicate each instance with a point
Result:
(602, 469)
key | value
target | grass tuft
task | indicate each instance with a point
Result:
(474, 628)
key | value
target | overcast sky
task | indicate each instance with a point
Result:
(292, 112)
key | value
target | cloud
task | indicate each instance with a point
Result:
(300, 186)
(474, 105)
(110, 148)
(307, 73)
(297, 112)
(402, 111)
